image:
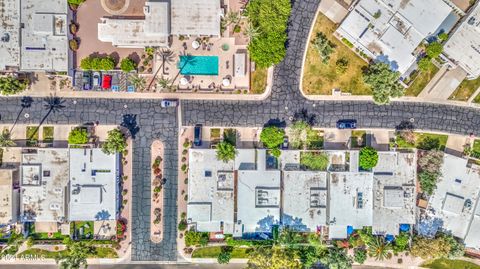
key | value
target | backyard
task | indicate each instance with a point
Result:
(466, 89)
(82, 229)
(421, 81)
(320, 78)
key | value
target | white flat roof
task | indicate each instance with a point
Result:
(350, 199)
(10, 34)
(44, 35)
(463, 46)
(44, 179)
(394, 192)
(458, 184)
(195, 17)
(399, 29)
(94, 179)
(304, 200)
(259, 195)
(210, 191)
(7, 201)
(472, 240)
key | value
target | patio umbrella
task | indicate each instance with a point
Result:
(183, 81)
(226, 82)
(195, 44)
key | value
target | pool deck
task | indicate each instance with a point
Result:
(225, 65)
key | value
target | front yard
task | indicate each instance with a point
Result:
(466, 89)
(421, 81)
(420, 139)
(213, 252)
(320, 78)
(258, 81)
(447, 264)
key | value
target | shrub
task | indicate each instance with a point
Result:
(73, 28)
(368, 158)
(401, 242)
(429, 164)
(73, 44)
(360, 255)
(341, 65)
(430, 248)
(127, 65)
(182, 225)
(86, 63)
(429, 143)
(11, 85)
(225, 255)
(424, 64)
(434, 49)
(443, 36)
(272, 136)
(226, 151)
(237, 29)
(324, 46)
(78, 136)
(314, 161)
(75, 2)
(193, 238)
(107, 63)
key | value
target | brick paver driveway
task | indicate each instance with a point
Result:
(149, 122)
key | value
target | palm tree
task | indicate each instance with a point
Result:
(164, 82)
(188, 59)
(378, 248)
(226, 151)
(52, 104)
(26, 102)
(232, 18)
(168, 57)
(6, 139)
(250, 31)
(138, 82)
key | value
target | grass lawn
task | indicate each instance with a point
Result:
(44, 236)
(314, 139)
(48, 133)
(100, 252)
(477, 99)
(320, 78)
(212, 252)
(30, 137)
(447, 264)
(476, 149)
(421, 81)
(86, 226)
(258, 80)
(359, 138)
(465, 90)
(214, 134)
(419, 137)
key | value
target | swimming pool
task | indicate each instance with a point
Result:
(198, 65)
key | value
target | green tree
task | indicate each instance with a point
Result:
(115, 143)
(75, 2)
(360, 255)
(457, 248)
(225, 151)
(324, 47)
(270, 19)
(378, 248)
(272, 258)
(272, 136)
(443, 37)
(107, 63)
(368, 158)
(11, 85)
(225, 255)
(298, 134)
(75, 255)
(425, 64)
(78, 136)
(6, 139)
(193, 238)
(383, 81)
(341, 65)
(86, 63)
(127, 65)
(434, 49)
(429, 143)
(314, 161)
(336, 258)
(430, 248)
(429, 164)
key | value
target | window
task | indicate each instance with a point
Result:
(208, 173)
(46, 173)
(360, 200)
(458, 180)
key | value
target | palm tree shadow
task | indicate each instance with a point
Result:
(53, 104)
(129, 122)
(26, 102)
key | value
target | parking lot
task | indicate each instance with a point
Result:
(116, 81)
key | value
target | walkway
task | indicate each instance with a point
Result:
(154, 122)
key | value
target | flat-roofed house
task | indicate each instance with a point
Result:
(210, 192)
(456, 197)
(94, 185)
(463, 46)
(44, 177)
(394, 192)
(9, 198)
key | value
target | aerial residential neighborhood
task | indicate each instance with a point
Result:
(252, 134)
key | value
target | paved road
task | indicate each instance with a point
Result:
(149, 122)
(153, 266)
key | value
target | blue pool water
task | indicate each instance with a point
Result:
(198, 65)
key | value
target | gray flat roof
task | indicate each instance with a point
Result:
(10, 34)
(195, 17)
(463, 46)
(7, 197)
(94, 179)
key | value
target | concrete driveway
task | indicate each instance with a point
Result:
(336, 139)
(379, 139)
(443, 84)
(455, 144)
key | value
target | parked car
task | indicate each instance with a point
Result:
(169, 103)
(107, 82)
(285, 142)
(96, 79)
(347, 124)
(87, 80)
(197, 135)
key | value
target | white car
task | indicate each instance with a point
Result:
(96, 79)
(169, 103)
